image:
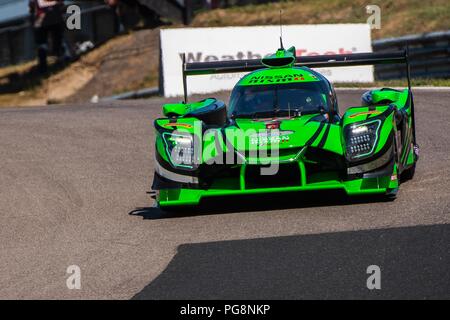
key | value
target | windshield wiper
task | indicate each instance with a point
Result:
(253, 115)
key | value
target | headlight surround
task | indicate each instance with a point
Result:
(361, 139)
(180, 149)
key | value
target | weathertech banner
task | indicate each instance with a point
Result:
(235, 43)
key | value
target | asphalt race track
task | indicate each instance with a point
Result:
(73, 182)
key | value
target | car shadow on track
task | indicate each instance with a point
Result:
(266, 202)
(413, 264)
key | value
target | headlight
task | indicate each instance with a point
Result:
(180, 149)
(361, 139)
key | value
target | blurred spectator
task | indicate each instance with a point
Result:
(132, 14)
(212, 4)
(48, 21)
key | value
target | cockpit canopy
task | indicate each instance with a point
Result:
(283, 99)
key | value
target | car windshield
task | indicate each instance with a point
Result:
(291, 99)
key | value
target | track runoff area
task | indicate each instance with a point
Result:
(73, 185)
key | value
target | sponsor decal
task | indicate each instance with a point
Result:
(364, 113)
(273, 125)
(270, 137)
(276, 78)
(200, 56)
(306, 52)
(178, 125)
(232, 44)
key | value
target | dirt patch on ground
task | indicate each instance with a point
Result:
(68, 82)
(127, 62)
(22, 99)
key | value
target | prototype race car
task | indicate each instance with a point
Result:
(282, 131)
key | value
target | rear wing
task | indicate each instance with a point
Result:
(336, 60)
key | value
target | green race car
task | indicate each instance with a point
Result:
(282, 131)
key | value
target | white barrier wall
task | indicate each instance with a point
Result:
(232, 43)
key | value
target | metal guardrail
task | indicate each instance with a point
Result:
(17, 44)
(138, 94)
(15, 28)
(429, 55)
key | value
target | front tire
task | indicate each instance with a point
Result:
(391, 194)
(408, 174)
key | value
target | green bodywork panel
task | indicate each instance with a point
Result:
(180, 109)
(298, 132)
(293, 133)
(293, 138)
(390, 95)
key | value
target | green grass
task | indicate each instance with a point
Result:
(425, 82)
(398, 17)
